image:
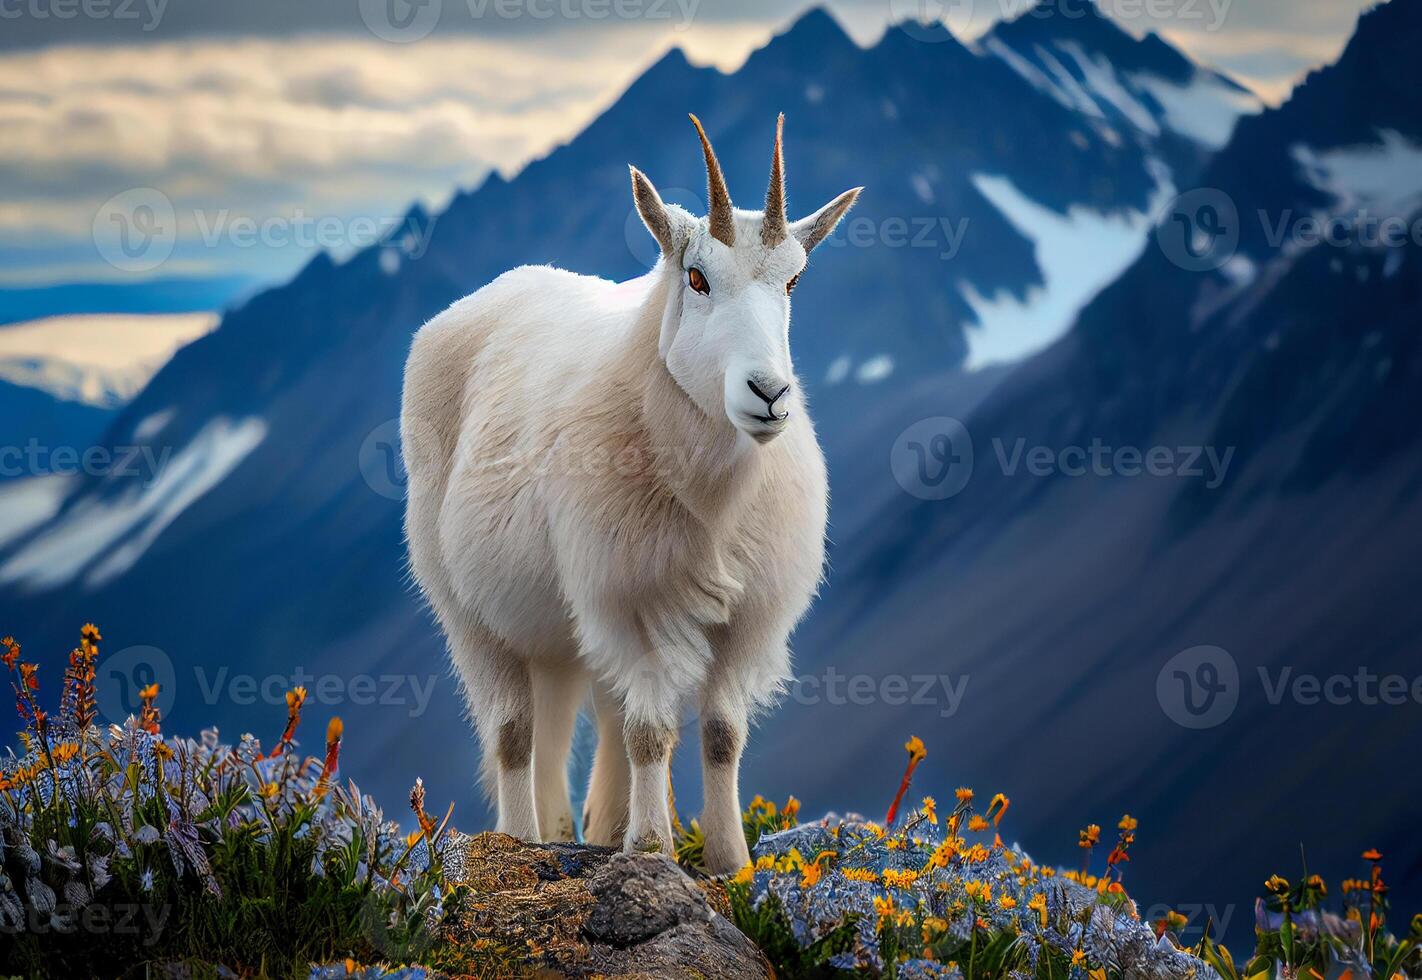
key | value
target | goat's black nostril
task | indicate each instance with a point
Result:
(763, 396)
(771, 415)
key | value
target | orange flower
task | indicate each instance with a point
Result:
(1372, 854)
(917, 753)
(149, 693)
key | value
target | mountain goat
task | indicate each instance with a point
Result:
(617, 487)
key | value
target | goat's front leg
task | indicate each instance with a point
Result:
(650, 740)
(723, 737)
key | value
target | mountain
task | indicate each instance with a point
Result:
(34, 424)
(170, 295)
(256, 543)
(1203, 647)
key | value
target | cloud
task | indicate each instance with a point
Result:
(269, 107)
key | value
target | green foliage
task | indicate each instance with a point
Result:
(769, 927)
(122, 850)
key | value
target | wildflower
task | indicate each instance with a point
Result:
(295, 698)
(860, 874)
(745, 876)
(916, 753)
(997, 807)
(964, 795)
(942, 854)
(1007, 902)
(1277, 884)
(11, 654)
(1089, 837)
(1038, 904)
(894, 878)
(333, 755)
(1078, 957)
(145, 880)
(977, 824)
(810, 875)
(930, 809)
(792, 808)
(148, 716)
(269, 790)
(1372, 854)
(65, 751)
(979, 891)
(1127, 824)
(417, 804)
(883, 907)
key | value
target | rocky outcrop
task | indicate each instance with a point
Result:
(576, 911)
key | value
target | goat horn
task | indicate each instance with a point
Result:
(775, 227)
(723, 225)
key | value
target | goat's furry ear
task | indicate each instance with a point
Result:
(815, 228)
(659, 219)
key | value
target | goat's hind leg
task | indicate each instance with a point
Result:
(500, 697)
(610, 787)
(559, 690)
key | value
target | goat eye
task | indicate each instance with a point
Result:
(697, 281)
(790, 286)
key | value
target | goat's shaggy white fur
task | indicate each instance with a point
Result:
(585, 508)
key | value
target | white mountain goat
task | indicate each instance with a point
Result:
(617, 486)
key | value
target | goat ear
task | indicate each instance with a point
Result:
(660, 220)
(815, 228)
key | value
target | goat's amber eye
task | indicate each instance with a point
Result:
(790, 286)
(698, 281)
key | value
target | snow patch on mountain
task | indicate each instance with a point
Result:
(107, 536)
(26, 504)
(1384, 179)
(1205, 110)
(1079, 253)
(1102, 79)
(98, 359)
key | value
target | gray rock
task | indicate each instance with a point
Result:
(640, 896)
(562, 910)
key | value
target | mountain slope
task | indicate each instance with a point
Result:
(1062, 596)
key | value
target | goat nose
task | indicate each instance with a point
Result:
(769, 390)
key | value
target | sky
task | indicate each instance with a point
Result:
(260, 131)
